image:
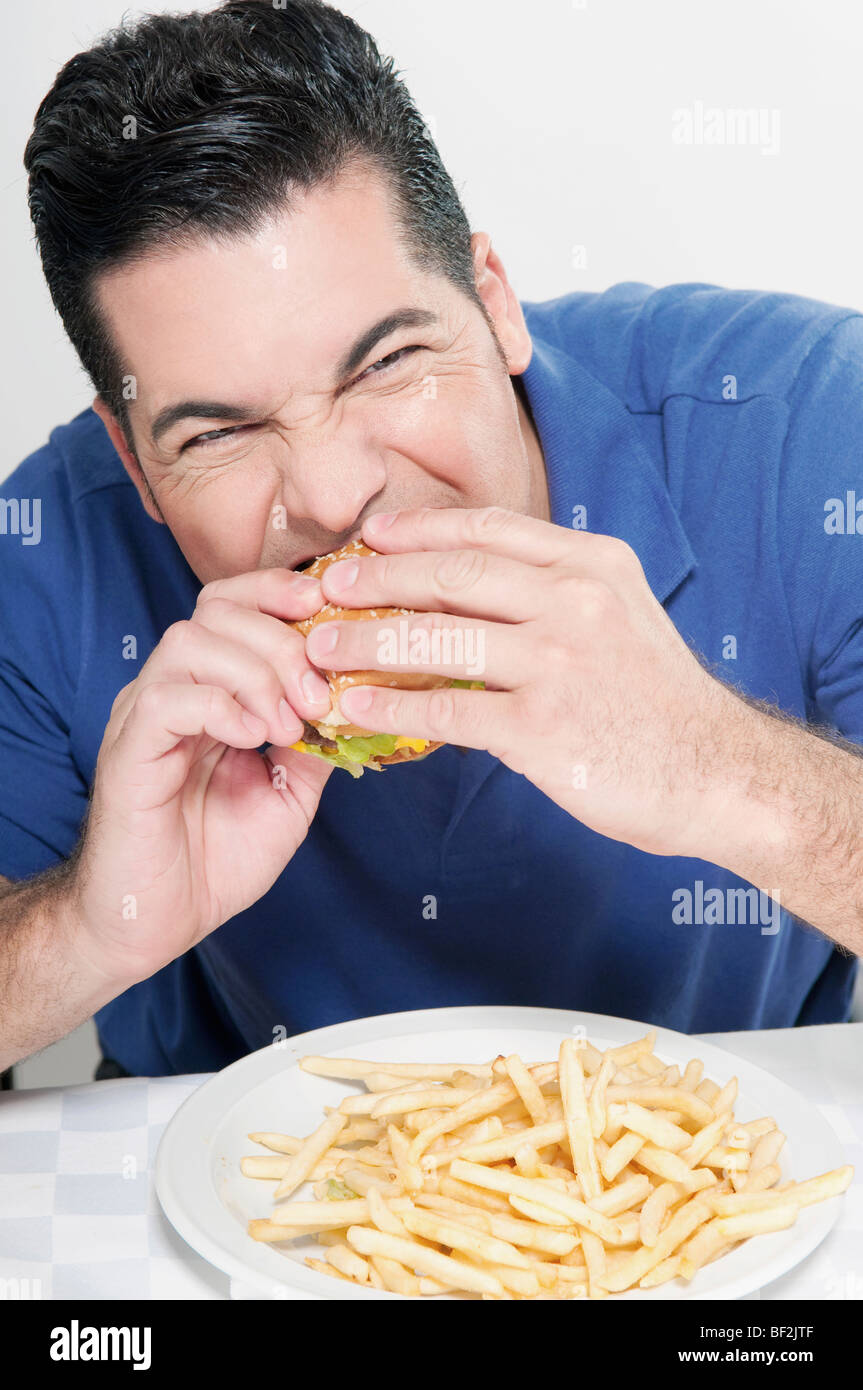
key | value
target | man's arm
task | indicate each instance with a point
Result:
(47, 984)
(788, 816)
(168, 854)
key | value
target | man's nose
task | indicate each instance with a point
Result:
(331, 484)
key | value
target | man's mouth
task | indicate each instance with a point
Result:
(309, 559)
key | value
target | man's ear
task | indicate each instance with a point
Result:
(129, 461)
(501, 302)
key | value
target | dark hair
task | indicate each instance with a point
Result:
(228, 111)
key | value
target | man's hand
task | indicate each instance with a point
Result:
(591, 693)
(188, 824)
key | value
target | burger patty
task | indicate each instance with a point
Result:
(311, 735)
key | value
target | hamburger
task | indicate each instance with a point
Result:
(334, 737)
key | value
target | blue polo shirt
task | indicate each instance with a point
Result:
(720, 433)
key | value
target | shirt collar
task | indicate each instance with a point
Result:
(596, 460)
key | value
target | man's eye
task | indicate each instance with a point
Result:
(377, 368)
(214, 436)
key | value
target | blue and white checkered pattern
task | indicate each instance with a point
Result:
(79, 1216)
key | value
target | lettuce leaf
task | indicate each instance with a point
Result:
(355, 753)
(337, 760)
(359, 749)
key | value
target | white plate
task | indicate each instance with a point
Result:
(209, 1201)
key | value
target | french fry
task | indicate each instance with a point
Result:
(597, 1104)
(534, 1101)
(620, 1154)
(650, 1064)
(345, 1068)
(654, 1211)
(632, 1052)
(364, 1105)
(416, 1256)
(665, 1098)
(594, 1254)
(527, 1160)
(450, 1231)
(306, 1157)
(486, 1201)
(382, 1081)
(661, 1273)
(348, 1262)
(703, 1141)
(665, 1165)
(707, 1090)
(382, 1215)
(410, 1175)
(802, 1194)
(538, 1212)
(727, 1159)
(700, 1248)
(753, 1223)
(653, 1127)
(268, 1231)
(578, 1124)
(396, 1278)
(759, 1127)
(766, 1151)
(279, 1143)
(323, 1268)
(434, 1098)
(360, 1181)
(616, 1200)
(764, 1178)
(692, 1074)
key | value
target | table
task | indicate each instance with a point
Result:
(79, 1216)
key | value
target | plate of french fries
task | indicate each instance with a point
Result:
(499, 1153)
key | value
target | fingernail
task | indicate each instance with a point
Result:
(381, 520)
(254, 725)
(358, 700)
(314, 688)
(343, 574)
(289, 719)
(303, 583)
(323, 639)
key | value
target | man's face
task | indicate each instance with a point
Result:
(276, 454)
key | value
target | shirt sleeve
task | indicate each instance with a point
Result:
(43, 794)
(820, 529)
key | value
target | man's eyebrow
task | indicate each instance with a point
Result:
(391, 323)
(356, 354)
(204, 410)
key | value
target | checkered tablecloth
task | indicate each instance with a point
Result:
(79, 1216)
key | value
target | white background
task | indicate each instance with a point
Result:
(555, 119)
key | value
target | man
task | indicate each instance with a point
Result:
(294, 341)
